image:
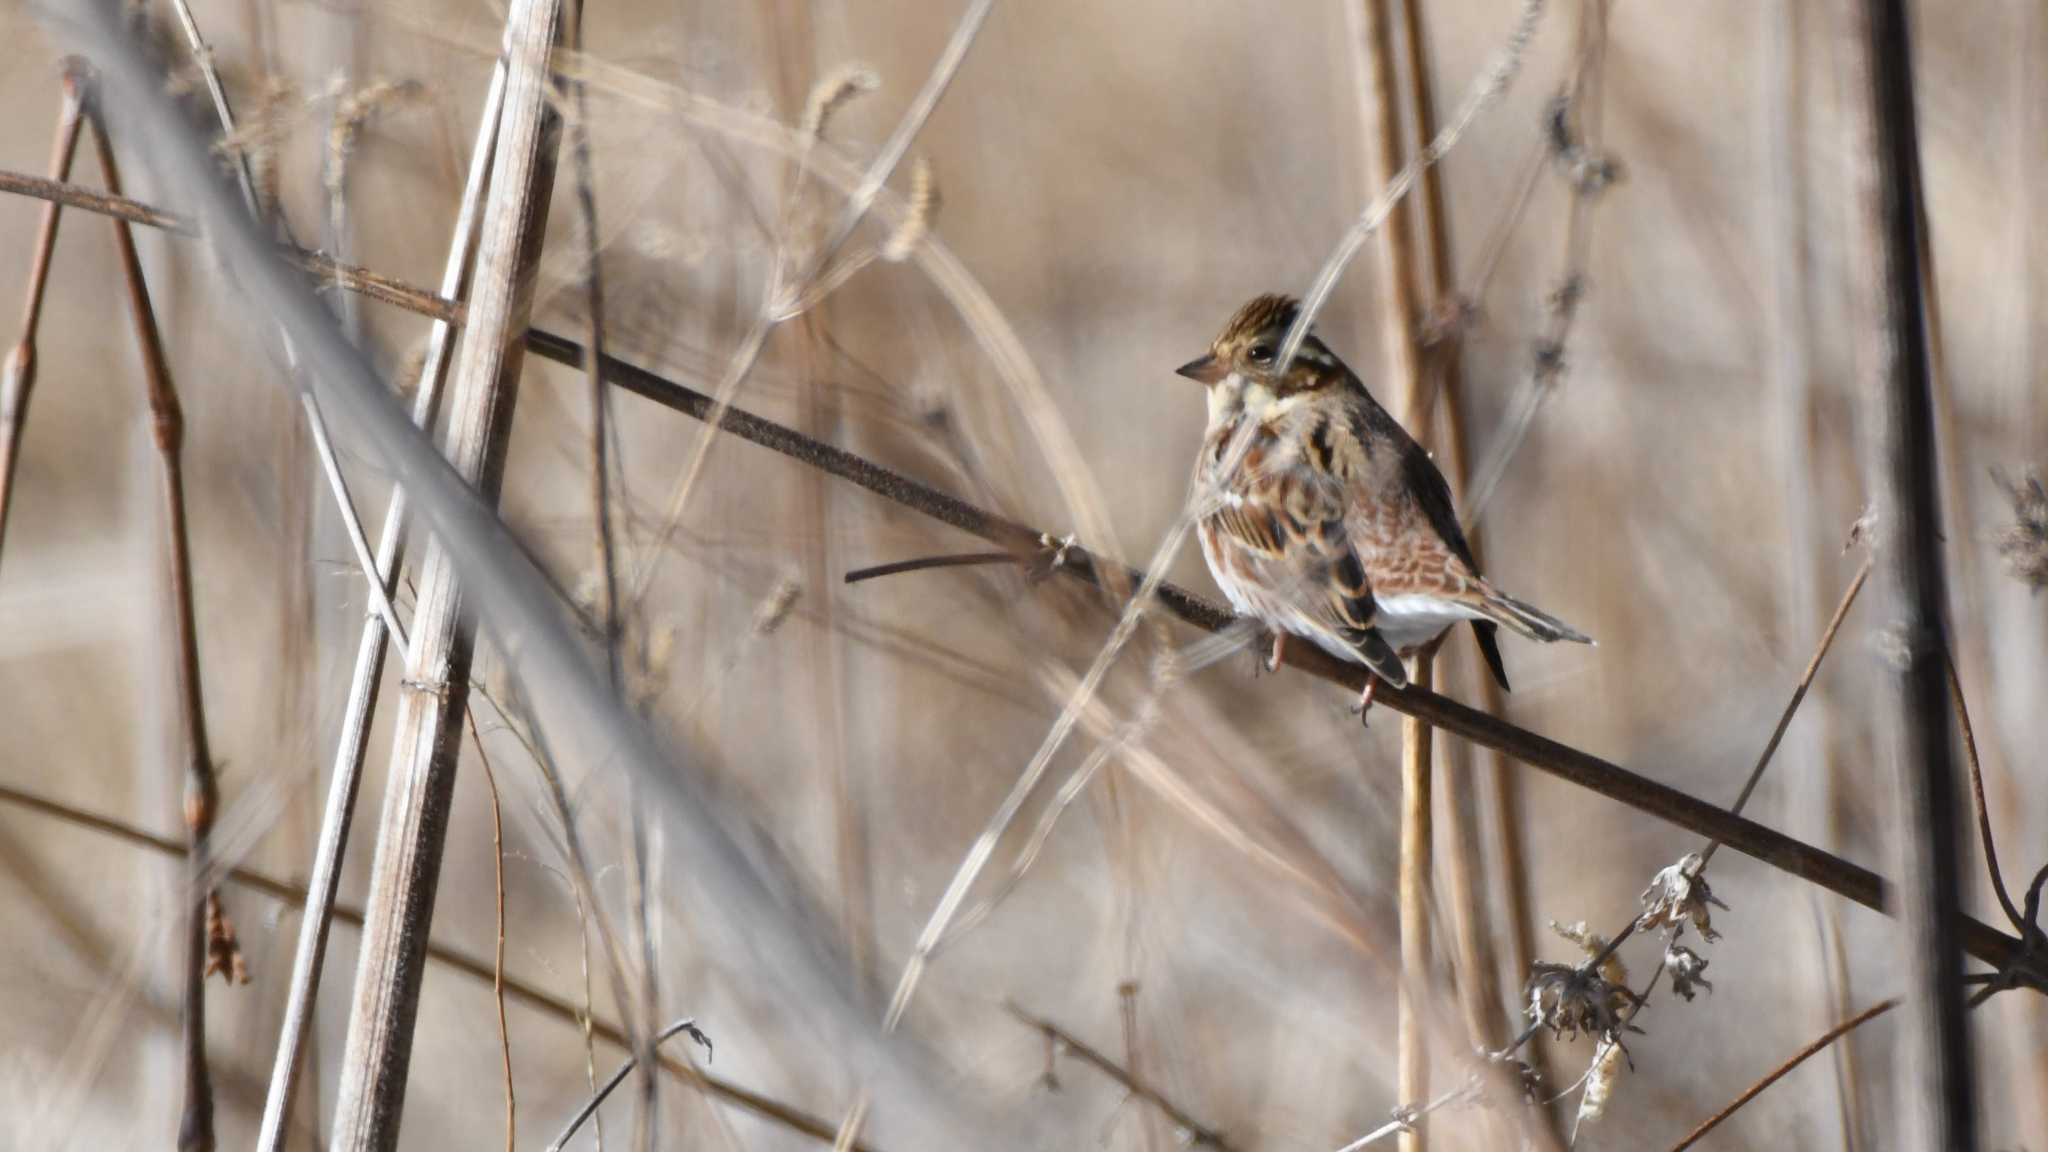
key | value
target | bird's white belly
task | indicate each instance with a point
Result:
(1409, 622)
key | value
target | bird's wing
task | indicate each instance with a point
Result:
(1293, 517)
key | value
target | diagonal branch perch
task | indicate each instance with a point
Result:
(1584, 769)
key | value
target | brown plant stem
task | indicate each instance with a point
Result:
(354, 278)
(1572, 765)
(483, 759)
(1373, 43)
(201, 790)
(413, 828)
(1776, 1074)
(1899, 450)
(1199, 1134)
(1982, 810)
(18, 378)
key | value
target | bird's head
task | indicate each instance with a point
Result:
(1246, 354)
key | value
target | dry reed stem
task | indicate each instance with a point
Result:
(1198, 1133)
(1983, 811)
(352, 745)
(1778, 1073)
(1572, 765)
(1373, 47)
(413, 827)
(201, 789)
(1490, 86)
(18, 377)
(1901, 476)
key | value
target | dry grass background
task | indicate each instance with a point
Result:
(1118, 177)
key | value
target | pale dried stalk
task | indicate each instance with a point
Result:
(428, 730)
(17, 379)
(352, 746)
(1373, 46)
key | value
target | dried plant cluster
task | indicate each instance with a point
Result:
(647, 733)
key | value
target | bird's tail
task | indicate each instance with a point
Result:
(1529, 620)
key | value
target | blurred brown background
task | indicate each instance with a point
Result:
(1117, 178)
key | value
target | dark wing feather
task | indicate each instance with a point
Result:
(1433, 495)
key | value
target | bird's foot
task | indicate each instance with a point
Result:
(1279, 656)
(1363, 708)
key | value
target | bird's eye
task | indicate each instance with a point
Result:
(1261, 354)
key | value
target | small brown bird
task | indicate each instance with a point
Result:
(1325, 519)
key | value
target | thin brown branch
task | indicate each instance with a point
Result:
(483, 758)
(1820, 651)
(1572, 765)
(1983, 811)
(354, 278)
(201, 789)
(1776, 1074)
(1199, 1134)
(17, 379)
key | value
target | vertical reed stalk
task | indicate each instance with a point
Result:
(414, 824)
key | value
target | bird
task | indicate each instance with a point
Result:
(1321, 518)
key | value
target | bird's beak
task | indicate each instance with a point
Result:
(1203, 369)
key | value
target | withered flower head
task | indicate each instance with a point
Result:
(1679, 894)
(1685, 966)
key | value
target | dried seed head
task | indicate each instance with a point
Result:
(918, 216)
(1685, 966)
(2024, 542)
(1571, 1001)
(838, 88)
(1679, 894)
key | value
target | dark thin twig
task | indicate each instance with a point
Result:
(1899, 460)
(1198, 1132)
(1776, 1074)
(354, 278)
(957, 560)
(17, 379)
(1570, 764)
(1955, 689)
(618, 1076)
(201, 790)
